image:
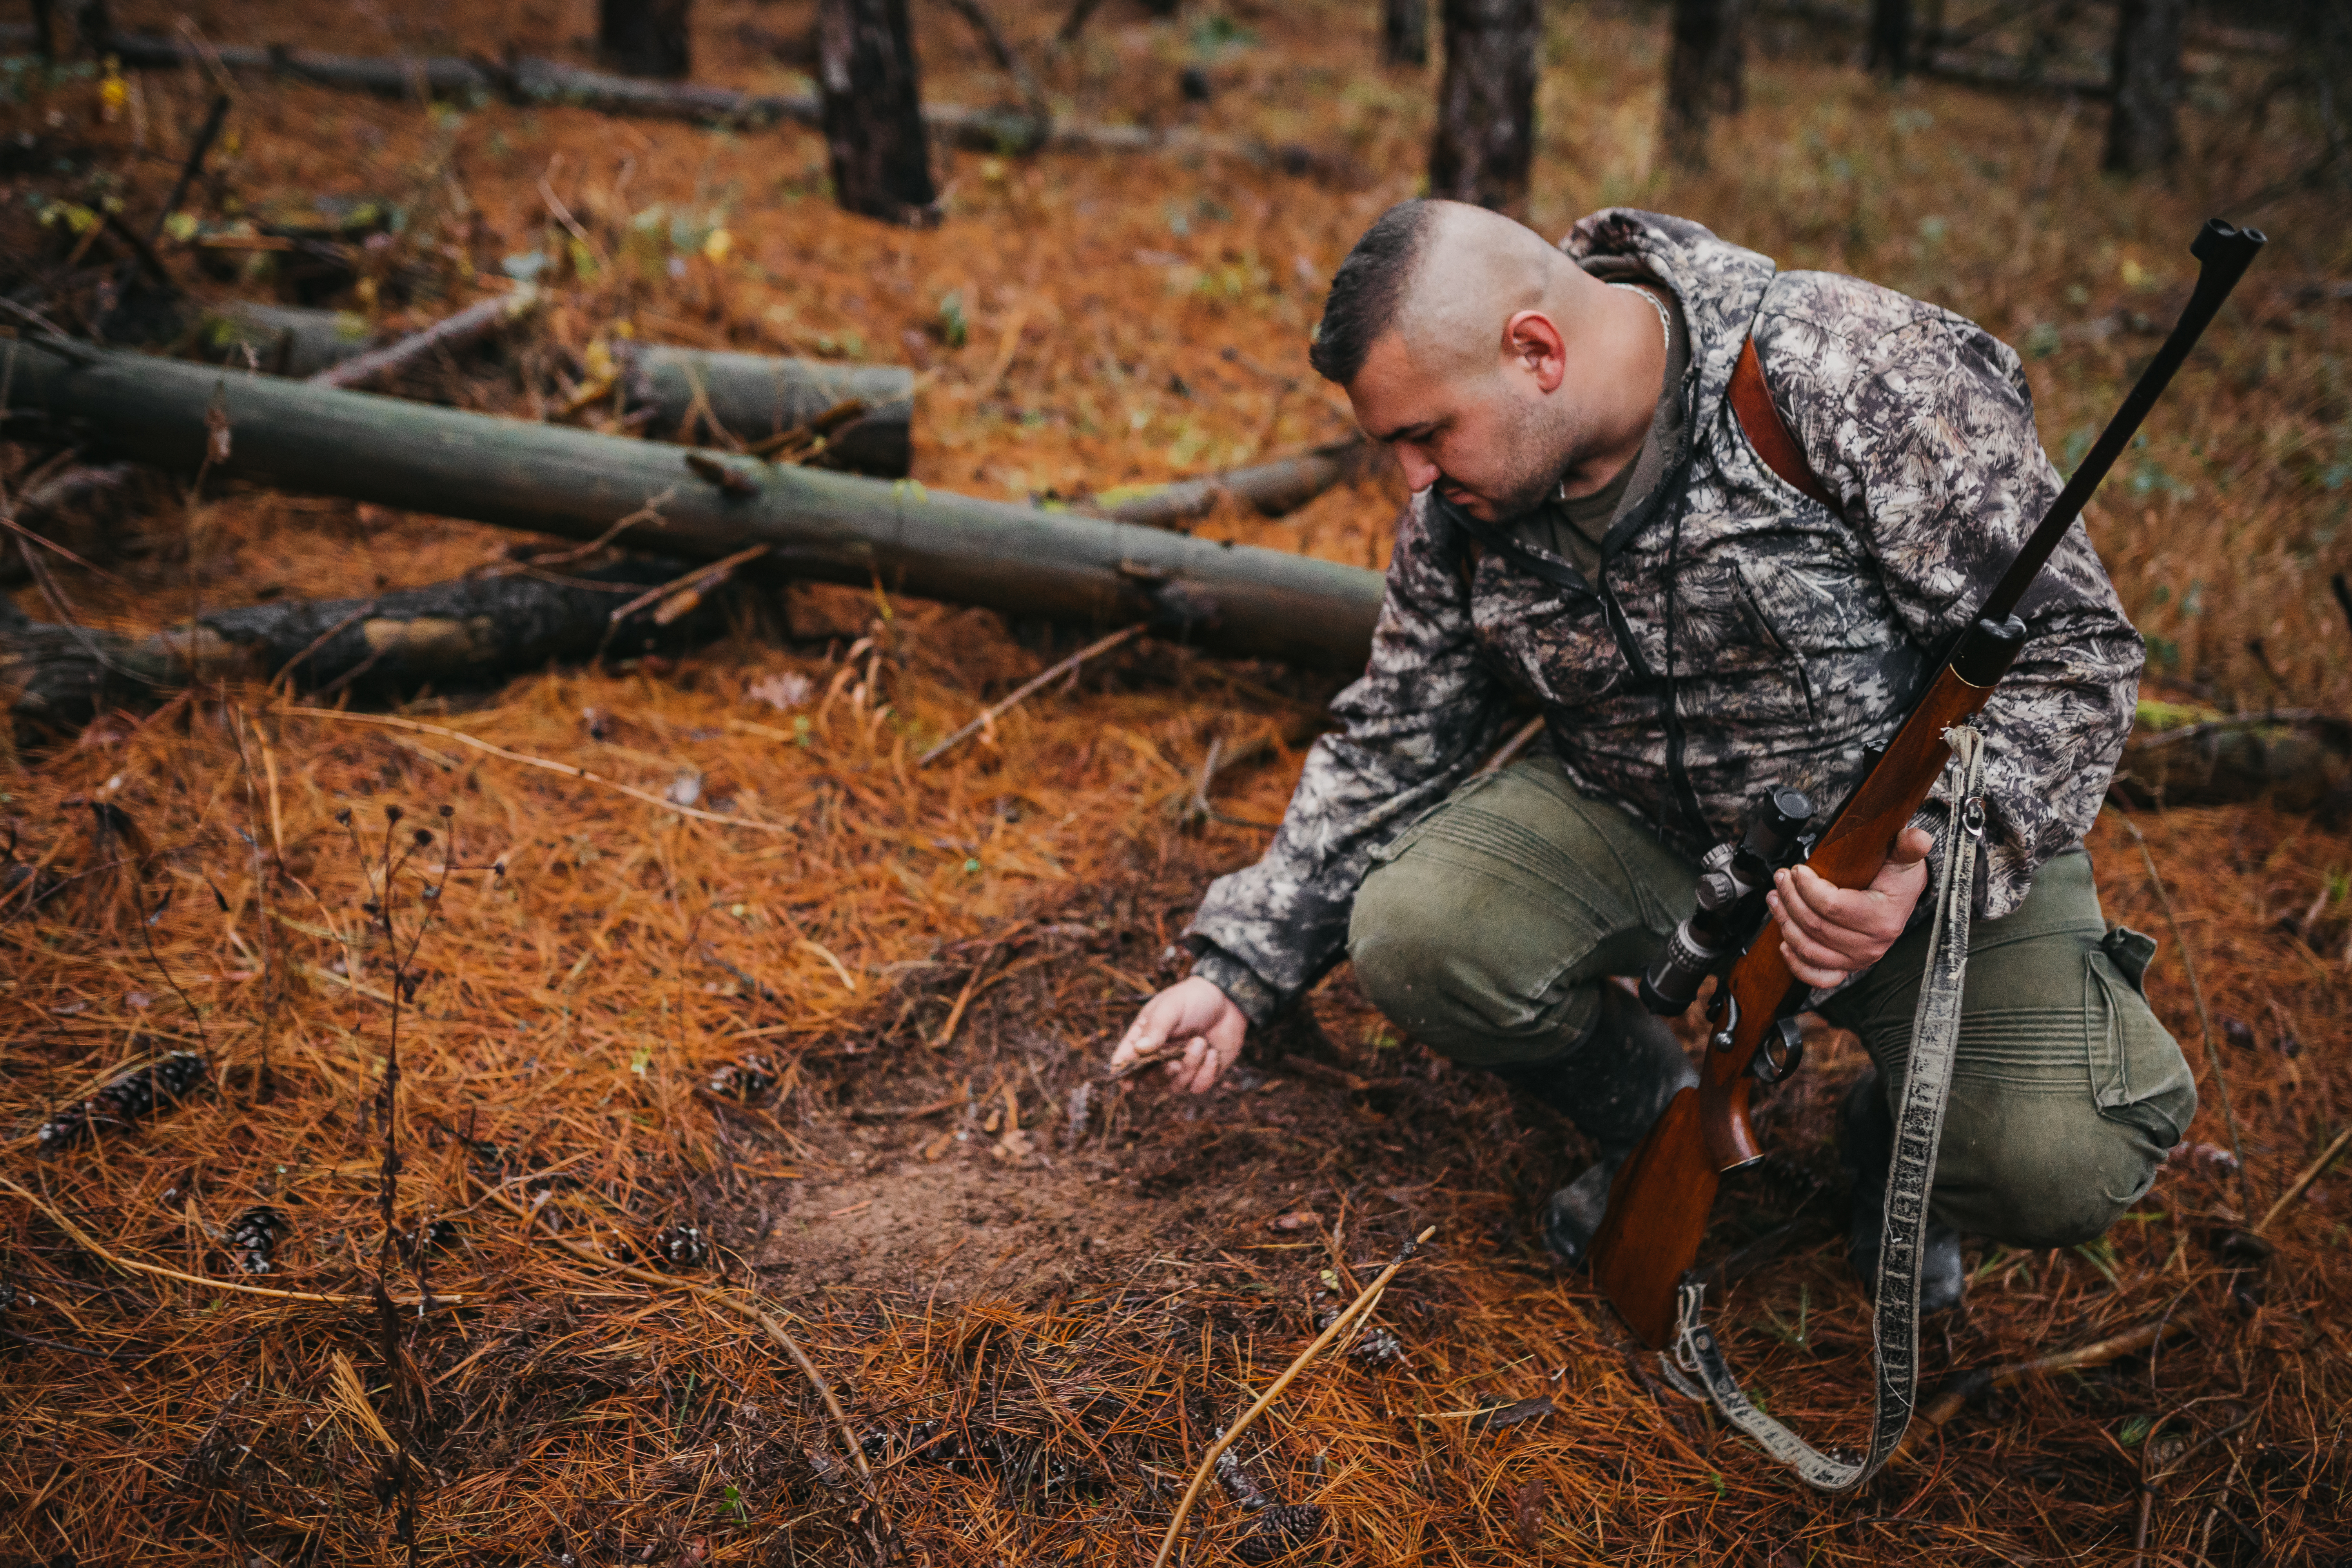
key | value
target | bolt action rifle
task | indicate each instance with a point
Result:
(1658, 1208)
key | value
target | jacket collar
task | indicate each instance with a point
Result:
(1720, 287)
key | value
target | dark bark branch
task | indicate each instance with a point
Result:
(1405, 32)
(1703, 75)
(2144, 127)
(475, 629)
(873, 112)
(1485, 143)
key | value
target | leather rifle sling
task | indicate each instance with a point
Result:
(1761, 421)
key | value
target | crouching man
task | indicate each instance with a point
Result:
(1715, 524)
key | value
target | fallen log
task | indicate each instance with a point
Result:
(752, 398)
(1271, 490)
(699, 396)
(2301, 760)
(57, 678)
(830, 527)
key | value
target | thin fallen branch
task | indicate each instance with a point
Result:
(2310, 1173)
(1508, 751)
(747, 1311)
(467, 327)
(1939, 1410)
(1366, 1299)
(2204, 1018)
(1272, 489)
(568, 769)
(88, 1244)
(1027, 689)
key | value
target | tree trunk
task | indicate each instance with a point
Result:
(645, 38)
(827, 527)
(1704, 75)
(1486, 139)
(93, 27)
(1890, 37)
(874, 113)
(1405, 32)
(2144, 126)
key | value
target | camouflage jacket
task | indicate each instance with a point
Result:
(1797, 633)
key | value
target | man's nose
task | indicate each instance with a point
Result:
(1420, 473)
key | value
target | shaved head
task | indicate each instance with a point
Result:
(1453, 330)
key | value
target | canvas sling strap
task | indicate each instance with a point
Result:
(1696, 1365)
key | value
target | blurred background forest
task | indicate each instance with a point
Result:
(741, 1059)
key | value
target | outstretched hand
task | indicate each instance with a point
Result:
(1197, 1015)
(1827, 932)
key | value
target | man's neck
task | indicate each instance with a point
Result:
(1628, 361)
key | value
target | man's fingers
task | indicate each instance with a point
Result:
(1147, 1033)
(1911, 847)
(1802, 947)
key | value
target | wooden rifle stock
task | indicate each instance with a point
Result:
(1658, 1208)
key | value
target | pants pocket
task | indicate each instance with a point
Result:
(2138, 1076)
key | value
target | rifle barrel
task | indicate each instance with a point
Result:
(2226, 252)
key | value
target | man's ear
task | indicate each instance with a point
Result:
(1531, 340)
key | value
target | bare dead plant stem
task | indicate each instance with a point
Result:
(1358, 1310)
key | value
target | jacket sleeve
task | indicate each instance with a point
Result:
(1426, 709)
(1930, 444)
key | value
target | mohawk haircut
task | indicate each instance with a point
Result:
(1367, 291)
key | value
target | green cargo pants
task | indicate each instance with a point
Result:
(1486, 929)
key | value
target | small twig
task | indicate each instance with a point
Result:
(1357, 1311)
(1939, 1410)
(286, 671)
(1149, 1058)
(649, 512)
(193, 166)
(2310, 1174)
(1508, 752)
(88, 1244)
(530, 762)
(1027, 689)
(463, 330)
(701, 578)
(2204, 1019)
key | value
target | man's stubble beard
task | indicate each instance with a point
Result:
(1532, 442)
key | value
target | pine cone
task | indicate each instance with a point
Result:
(1279, 1530)
(254, 1237)
(132, 1098)
(746, 1081)
(680, 1247)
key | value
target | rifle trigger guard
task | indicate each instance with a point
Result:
(1769, 1067)
(1721, 1038)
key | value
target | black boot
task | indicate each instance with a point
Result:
(1866, 1149)
(1612, 1084)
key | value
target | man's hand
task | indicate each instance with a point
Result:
(1829, 932)
(1194, 1014)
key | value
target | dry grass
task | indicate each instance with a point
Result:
(1039, 1334)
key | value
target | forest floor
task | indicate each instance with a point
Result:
(854, 1050)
